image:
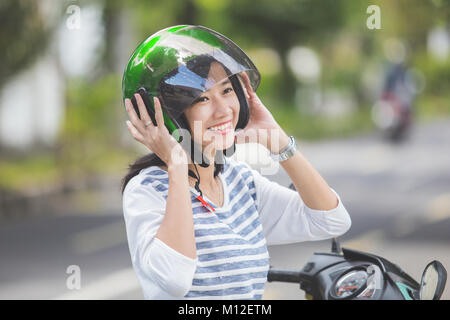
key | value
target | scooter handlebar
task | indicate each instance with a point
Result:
(284, 276)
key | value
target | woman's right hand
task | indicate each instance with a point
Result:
(156, 138)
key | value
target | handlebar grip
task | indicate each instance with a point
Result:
(284, 276)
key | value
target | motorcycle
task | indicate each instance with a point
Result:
(347, 274)
(393, 112)
(356, 275)
(392, 117)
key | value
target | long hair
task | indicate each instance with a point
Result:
(149, 160)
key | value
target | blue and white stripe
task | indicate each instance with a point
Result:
(233, 260)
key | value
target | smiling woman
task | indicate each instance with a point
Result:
(214, 114)
(204, 234)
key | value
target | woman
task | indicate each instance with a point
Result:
(198, 226)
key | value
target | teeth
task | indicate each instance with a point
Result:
(221, 127)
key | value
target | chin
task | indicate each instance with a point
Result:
(225, 145)
(222, 143)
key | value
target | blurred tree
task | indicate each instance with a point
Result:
(279, 25)
(147, 18)
(23, 36)
(284, 24)
(187, 13)
(410, 21)
(90, 128)
(111, 11)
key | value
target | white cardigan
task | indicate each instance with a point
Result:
(256, 212)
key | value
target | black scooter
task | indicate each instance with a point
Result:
(354, 275)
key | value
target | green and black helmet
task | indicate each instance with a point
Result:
(173, 65)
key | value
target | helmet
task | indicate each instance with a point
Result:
(173, 65)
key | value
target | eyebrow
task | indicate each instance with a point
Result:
(225, 82)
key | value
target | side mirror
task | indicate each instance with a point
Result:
(433, 281)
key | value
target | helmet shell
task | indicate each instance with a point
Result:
(173, 65)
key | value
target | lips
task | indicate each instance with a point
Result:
(221, 126)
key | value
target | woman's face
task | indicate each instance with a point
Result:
(214, 114)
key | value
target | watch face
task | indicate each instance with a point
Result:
(287, 152)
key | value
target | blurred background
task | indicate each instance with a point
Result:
(365, 93)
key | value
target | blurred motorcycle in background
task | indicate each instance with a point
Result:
(393, 112)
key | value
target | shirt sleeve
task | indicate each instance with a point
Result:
(144, 210)
(285, 218)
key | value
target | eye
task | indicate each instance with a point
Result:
(227, 90)
(200, 99)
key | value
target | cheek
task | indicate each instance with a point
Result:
(236, 104)
(198, 126)
(236, 108)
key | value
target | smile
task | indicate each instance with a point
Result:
(223, 128)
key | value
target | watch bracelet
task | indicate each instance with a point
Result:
(287, 152)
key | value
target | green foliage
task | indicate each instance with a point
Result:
(91, 124)
(23, 36)
(335, 29)
(437, 74)
(28, 172)
(91, 107)
(315, 127)
(282, 25)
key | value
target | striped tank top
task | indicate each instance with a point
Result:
(233, 259)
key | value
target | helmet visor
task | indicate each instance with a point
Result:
(204, 59)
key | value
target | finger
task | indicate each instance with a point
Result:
(142, 109)
(134, 132)
(133, 116)
(158, 112)
(247, 83)
(249, 88)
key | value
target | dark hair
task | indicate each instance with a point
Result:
(149, 160)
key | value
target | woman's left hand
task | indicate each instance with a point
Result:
(261, 122)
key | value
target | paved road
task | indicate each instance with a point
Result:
(397, 195)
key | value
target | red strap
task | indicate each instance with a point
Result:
(205, 204)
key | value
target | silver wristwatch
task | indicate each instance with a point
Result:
(286, 153)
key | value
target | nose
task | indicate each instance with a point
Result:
(222, 106)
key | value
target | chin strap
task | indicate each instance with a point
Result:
(197, 187)
(197, 177)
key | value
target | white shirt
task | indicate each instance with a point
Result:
(232, 258)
